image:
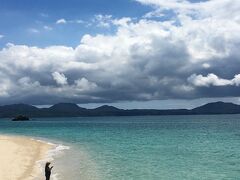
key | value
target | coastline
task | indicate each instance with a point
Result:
(22, 157)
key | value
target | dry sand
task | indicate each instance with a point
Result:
(18, 157)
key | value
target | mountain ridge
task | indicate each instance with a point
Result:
(73, 110)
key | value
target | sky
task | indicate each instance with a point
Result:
(128, 53)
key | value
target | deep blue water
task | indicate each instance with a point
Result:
(141, 148)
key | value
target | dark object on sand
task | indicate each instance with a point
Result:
(20, 118)
(48, 170)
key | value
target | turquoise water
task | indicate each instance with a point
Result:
(141, 148)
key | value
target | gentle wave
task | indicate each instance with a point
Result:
(57, 150)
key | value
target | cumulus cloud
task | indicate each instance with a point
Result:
(122, 21)
(60, 78)
(194, 53)
(213, 80)
(84, 84)
(4, 88)
(61, 21)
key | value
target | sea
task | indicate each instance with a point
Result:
(199, 147)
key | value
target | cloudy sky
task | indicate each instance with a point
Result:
(128, 53)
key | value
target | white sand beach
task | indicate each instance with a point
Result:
(18, 157)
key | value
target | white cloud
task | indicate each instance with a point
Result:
(5, 87)
(78, 21)
(99, 20)
(152, 14)
(59, 78)
(220, 17)
(48, 28)
(206, 65)
(1, 36)
(61, 21)
(213, 80)
(202, 9)
(44, 15)
(84, 84)
(144, 59)
(75, 21)
(107, 21)
(33, 30)
(236, 80)
(122, 21)
(103, 20)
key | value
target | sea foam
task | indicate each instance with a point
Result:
(56, 151)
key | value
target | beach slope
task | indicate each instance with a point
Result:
(18, 157)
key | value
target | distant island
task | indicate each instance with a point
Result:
(73, 110)
(20, 118)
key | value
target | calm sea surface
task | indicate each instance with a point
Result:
(140, 148)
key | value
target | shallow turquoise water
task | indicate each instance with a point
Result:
(141, 148)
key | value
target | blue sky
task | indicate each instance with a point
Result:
(128, 53)
(18, 18)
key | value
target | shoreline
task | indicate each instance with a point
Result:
(22, 157)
